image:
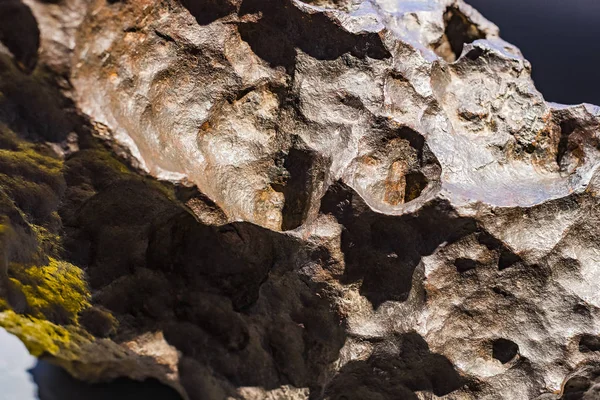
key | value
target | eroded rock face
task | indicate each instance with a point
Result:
(322, 200)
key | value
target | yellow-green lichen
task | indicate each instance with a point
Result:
(31, 176)
(57, 291)
(50, 243)
(39, 336)
(29, 163)
(36, 200)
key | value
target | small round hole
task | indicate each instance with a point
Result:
(504, 350)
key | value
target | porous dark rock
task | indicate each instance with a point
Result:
(285, 199)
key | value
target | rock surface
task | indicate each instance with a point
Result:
(285, 199)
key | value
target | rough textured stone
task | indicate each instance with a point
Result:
(322, 199)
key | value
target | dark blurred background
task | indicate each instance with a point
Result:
(561, 39)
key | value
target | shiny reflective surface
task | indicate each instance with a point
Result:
(559, 38)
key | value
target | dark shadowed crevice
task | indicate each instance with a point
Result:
(416, 140)
(416, 182)
(465, 264)
(297, 187)
(506, 258)
(589, 343)
(204, 208)
(164, 36)
(269, 44)
(224, 296)
(475, 53)
(575, 388)
(582, 309)
(460, 30)
(212, 290)
(38, 109)
(282, 28)
(19, 32)
(567, 127)
(504, 350)
(396, 370)
(56, 384)
(374, 256)
(352, 101)
(181, 244)
(502, 292)
(207, 11)
(409, 166)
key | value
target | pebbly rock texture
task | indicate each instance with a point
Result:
(285, 199)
